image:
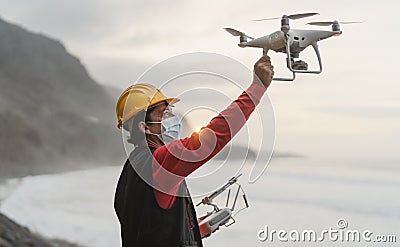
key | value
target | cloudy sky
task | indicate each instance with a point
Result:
(348, 114)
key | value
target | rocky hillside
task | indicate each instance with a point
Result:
(53, 115)
(14, 235)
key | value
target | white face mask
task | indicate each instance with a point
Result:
(172, 130)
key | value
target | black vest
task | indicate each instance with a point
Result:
(143, 221)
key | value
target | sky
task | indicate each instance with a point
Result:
(349, 114)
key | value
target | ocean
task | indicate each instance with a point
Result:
(294, 196)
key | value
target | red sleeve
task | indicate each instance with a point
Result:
(176, 160)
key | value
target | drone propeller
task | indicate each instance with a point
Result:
(235, 32)
(232, 31)
(328, 23)
(292, 17)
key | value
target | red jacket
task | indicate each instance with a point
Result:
(176, 160)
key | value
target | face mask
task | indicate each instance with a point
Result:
(172, 130)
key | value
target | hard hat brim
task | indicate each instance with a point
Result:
(170, 101)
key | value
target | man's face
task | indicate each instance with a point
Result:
(160, 112)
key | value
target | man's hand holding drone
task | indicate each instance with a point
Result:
(263, 71)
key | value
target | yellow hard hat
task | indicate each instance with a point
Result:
(139, 97)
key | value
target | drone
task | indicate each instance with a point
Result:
(291, 41)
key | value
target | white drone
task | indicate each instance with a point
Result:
(291, 41)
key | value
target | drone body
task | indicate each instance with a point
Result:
(291, 42)
(298, 40)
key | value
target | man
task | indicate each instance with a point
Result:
(152, 202)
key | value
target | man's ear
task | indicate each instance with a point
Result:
(143, 127)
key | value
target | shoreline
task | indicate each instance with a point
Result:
(10, 182)
(7, 186)
(10, 227)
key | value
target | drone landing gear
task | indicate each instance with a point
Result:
(298, 66)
